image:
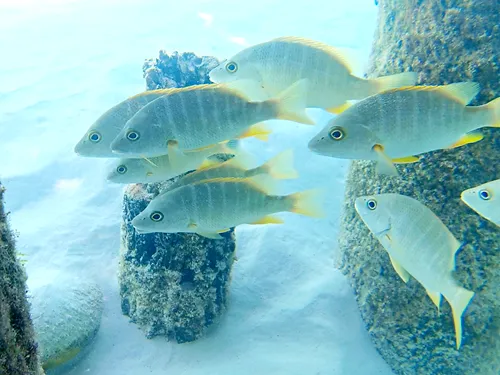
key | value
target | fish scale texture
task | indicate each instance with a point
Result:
(172, 284)
(444, 41)
(18, 350)
(66, 316)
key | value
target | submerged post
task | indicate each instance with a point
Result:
(172, 284)
(18, 349)
(444, 41)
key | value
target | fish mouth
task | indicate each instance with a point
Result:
(318, 146)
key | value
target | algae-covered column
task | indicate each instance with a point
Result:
(172, 284)
(444, 41)
(18, 350)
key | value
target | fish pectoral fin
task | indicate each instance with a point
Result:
(269, 219)
(471, 137)
(149, 161)
(385, 166)
(211, 235)
(175, 155)
(259, 131)
(405, 276)
(435, 297)
(339, 109)
(406, 160)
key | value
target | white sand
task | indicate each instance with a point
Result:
(65, 63)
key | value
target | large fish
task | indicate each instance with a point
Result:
(278, 63)
(210, 207)
(194, 117)
(399, 124)
(146, 170)
(279, 167)
(485, 200)
(420, 245)
(97, 140)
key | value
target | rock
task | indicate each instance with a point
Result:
(66, 315)
(18, 349)
(444, 41)
(172, 284)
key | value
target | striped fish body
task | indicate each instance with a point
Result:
(282, 61)
(210, 206)
(198, 116)
(97, 140)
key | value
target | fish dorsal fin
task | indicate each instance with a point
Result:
(152, 93)
(248, 89)
(344, 56)
(461, 92)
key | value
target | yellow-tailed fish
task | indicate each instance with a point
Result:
(195, 117)
(420, 245)
(97, 140)
(145, 170)
(278, 63)
(485, 200)
(397, 125)
(279, 167)
(210, 207)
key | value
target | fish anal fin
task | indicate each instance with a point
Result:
(211, 235)
(406, 160)
(403, 274)
(269, 220)
(435, 297)
(471, 137)
(259, 131)
(224, 230)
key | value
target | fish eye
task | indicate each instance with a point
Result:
(132, 135)
(484, 195)
(121, 169)
(371, 204)
(231, 67)
(94, 137)
(156, 216)
(337, 134)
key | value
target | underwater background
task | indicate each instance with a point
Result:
(289, 310)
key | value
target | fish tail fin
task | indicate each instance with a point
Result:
(494, 108)
(291, 103)
(308, 203)
(459, 300)
(280, 166)
(394, 81)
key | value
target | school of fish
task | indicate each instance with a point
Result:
(180, 132)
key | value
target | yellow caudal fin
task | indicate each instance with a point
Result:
(308, 203)
(279, 167)
(259, 131)
(394, 81)
(471, 137)
(494, 108)
(291, 103)
(458, 299)
(341, 108)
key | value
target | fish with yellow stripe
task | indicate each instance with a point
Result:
(398, 125)
(97, 140)
(278, 167)
(195, 117)
(419, 245)
(210, 207)
(485, 200)
(278, 63)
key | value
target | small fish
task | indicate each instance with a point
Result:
(279, 167)
(210, 207)
(145, 170)
(484, 200)
(396, 125)
(418, 244)
(195, 117)
(97, 140)
(278, 63)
